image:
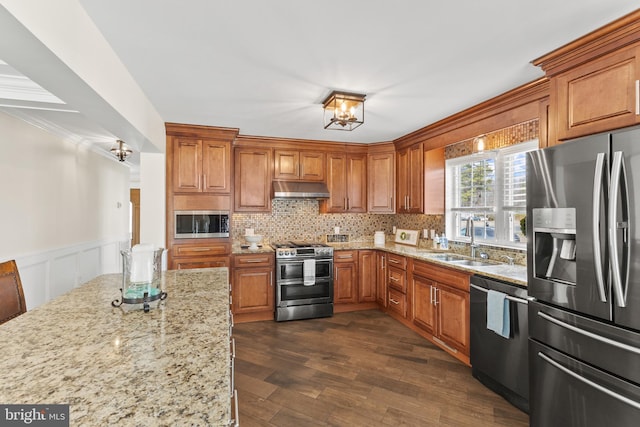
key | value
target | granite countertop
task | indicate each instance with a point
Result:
(516, 274)
(170, 366)
(238, 249)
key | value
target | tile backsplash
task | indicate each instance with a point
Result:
(301, 220)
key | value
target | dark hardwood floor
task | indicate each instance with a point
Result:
(357, 369)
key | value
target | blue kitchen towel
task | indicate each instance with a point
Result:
(498, 313)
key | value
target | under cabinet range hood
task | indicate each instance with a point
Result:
(300, 190)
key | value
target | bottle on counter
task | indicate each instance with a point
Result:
(444, 242)
(436, 241)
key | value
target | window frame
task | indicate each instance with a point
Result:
(500, 212)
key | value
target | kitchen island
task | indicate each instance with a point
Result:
(170, 366)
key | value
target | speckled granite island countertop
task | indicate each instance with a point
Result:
(168, 367)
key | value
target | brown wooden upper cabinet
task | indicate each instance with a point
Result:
(252, 183)
(434, 174)
(598, 96)
(347, 182)
(381, 167)
(299, 165)
(201, 166)
(410, 177)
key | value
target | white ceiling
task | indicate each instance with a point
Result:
(265, 66)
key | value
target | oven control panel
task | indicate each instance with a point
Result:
(323, 252)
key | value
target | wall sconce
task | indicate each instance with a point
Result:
(479, 143)
(121, 151)
(343, 111)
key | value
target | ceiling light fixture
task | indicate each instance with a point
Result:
(121, 151)
(343, 110)
(478, 144)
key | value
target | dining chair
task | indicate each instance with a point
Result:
(11, 294)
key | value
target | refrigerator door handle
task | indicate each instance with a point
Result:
(617, 172)
(605, 340)
(587, 381)
(595, 226)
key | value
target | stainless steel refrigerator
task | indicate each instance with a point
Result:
(583, 249)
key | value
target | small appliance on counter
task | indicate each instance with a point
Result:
(141, 277)
(379, 238)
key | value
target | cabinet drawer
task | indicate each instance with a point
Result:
(345, 256)
(397, 279)
(398, 261)
(397, 302)
(258, 260)
(451, 277)
(188, 263)
(200, 250)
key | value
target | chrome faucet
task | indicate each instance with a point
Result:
(510, 259)
(470, 232)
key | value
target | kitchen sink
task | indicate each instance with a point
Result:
(446, 257)
(472, 263)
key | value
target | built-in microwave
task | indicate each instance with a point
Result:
(201, 224)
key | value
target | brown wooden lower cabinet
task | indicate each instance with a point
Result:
(381, 278)
(199, 255)
(179, 264)
(367, 274)
(345, 277)
(423, 310)
(397, 284)
(397, 302)
(440, 305)
(252, 287)
(453, 317)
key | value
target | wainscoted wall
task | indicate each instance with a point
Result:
(301, 220)
(49, 274)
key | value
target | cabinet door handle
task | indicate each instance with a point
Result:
(394, 261)
(637, 97)
(345, 256)
(435, 294)
(253, 261)
(392, 301)
(347, 203)
(200, 249)
(395, 279)
(344, 203)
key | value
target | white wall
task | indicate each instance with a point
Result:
(152, 200)
(64, 212)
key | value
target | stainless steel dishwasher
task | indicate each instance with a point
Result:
(499, 363)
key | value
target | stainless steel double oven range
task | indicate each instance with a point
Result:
(304, 280)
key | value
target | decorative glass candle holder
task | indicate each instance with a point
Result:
(141, 276)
